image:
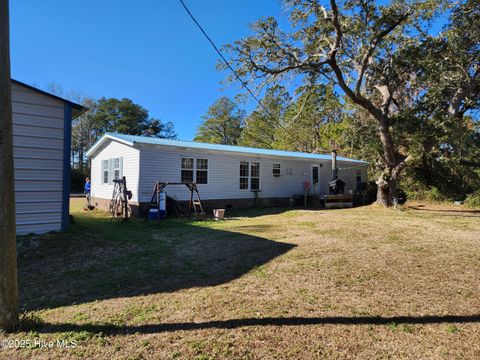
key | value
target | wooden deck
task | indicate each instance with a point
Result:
(337, 201)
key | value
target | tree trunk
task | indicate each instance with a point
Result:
(387, 182)
(8, 252)
(387, 186)
(80, 159)
(384, 192)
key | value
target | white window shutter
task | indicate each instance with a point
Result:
(110, 171)
(103, 171)
(121, 167)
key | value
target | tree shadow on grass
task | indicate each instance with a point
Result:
(448, 212)
(265, 211)
(238, 323)
(99, 259)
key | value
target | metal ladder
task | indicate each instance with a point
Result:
(195, 202)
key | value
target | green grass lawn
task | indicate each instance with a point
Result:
(270, 283)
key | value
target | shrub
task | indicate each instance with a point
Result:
(77, 180)
(473, 200)
(371, 195)
(418, 191)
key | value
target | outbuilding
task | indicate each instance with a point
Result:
(42, 142)
(226, 176)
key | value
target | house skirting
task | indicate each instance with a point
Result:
(139, 209)
(104, 204)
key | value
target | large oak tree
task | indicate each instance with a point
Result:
(384, 60)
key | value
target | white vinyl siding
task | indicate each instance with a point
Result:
(161, 163)
(146, 164)
(38, 139)
(104, 160)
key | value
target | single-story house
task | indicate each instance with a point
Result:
(42, 143)
(226, 176)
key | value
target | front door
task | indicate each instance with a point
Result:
(315, 178)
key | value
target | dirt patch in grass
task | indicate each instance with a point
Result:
(356, 283)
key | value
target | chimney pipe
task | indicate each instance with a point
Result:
(334, 165)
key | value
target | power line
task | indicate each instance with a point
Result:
(237, 76)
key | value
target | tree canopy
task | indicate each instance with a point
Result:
(222, 124)
(114, 115)
(415, 89)
(126, 117)
(262, 129)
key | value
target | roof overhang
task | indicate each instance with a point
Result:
(77, 109)
(276, 157)
(103, 140)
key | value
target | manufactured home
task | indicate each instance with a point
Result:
(226, 176)
(42, 143)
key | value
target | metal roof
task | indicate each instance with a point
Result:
(134, 139)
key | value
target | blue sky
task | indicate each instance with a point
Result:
(149, 51)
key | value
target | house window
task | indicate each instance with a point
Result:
(116, 168)
(276, 169)
(105, 172)
(202, 171)
(254, 176)
(243, 175)
(249, 173)
(361, 185)
(187, 170)
(359, 176)
(112, 169)
(194, 170)
(315, 177)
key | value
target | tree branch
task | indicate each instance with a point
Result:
(382, 119)
(338, 29)
(401, 165)
(387, 98)
(462, 92)
(376, 40)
